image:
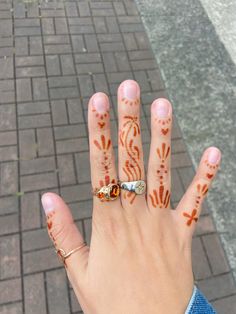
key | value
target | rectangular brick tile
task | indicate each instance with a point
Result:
(61, 25)
(21, 46)
(34, 294)
(66, 92)
(70, 131)
(86, 85)
(57, 13)
(100, 25)
(59, 112)
(72, 145)
(7, 91)
(10, 256)
(130, 42)
(218, 286)
(8, 153)
(10, 290)
(57, 292)
(35, 261)
(37, 165)
(40, 90)
(9, 178)
(27, 31)
(36, 239)
(181, 160)
(205, 225)
(91, 43)
(215, 253)
(155, 80)
(84, 9)
(177, 188)
(112, 24)
(178, 146)
(23, 89)
(15, 308)
(225, 305)
(33, 108)
(186, 175)
(71, 9)
(66, 169)
(27, 144)
(56, 39)
(9, 224)
(89, 68)
(34, 121)
(48, 26)
(35, 45)
(30, 72)
(29, 61)
(30, 211)
(88, 57)
(201, 266)
(57, 49)
(75, 111)
(9, 205)
(142, 40)
(76, 192)
(7, 117)
(45, 142)
(38, 182)
(5, 28)
(82, 209)
(119, 8)
(6, 65)
(67, 64)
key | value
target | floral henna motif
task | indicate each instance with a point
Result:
(210, 166)
(163, 153)
(201, 192)
(132, 166)
(107, 180)
(130, 102)
(102, 118)
(165, 125)
(104, 146)
(160, 197)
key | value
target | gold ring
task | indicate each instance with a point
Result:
(63, 255)
(108, 192)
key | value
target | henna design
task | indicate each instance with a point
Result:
(160, 197)
(130, 102)
(165, 125)
(191, 217)
(49, 223)
(210, 166)
(107, 180)
(104, 146)
(201, 192)
(102, 116)
(132, 167)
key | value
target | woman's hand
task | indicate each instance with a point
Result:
(139, 259)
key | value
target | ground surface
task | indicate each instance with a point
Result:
(53, 57)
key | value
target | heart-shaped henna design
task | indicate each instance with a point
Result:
(164, 131)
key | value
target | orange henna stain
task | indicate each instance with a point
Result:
(160, 197)
(49, 224)
(130, 102)
(191, 217)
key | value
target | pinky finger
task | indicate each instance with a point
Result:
(188, 210)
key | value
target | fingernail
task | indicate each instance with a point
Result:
(100, 103)
(162, 108)
(214, 155)
(47, 203)
(130, 90)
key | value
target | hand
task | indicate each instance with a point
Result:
(139, 260)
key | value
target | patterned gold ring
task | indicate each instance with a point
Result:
(108, 192)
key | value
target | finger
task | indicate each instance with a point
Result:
(102, 157)
(131, 166)
(64, 233)
(159, 177)
(189, 208)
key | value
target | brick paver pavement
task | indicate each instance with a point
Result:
(53, 56)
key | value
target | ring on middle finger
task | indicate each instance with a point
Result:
(138, 187)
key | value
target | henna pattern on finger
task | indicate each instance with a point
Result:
(202, 190)
(50, 224)
(163, 153)
(104, 146)
(102, 118)
(165, 125)
(211, 167)
(160, 197)
(130, 102)
(132, 167)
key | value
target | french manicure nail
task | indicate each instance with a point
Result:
(130, 90)
(214, 155)
(100, 103)
(162, 108)
(47, 203)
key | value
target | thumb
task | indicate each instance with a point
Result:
(65, 234)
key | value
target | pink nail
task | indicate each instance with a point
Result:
(214, 155)
(47, 203)
(130, 89)
(162, 108)
(100, 103)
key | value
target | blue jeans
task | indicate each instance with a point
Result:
(198, 304)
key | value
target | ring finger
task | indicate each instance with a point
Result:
(131, 167)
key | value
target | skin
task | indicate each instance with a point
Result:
(139, 259)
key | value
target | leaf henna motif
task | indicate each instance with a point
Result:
(160, 197)
(191, 217)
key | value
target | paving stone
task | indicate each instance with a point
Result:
(112, 25)
(119, 8)
(72, 145)
(35, 45)
(35, 239)
(30, 72)
(31, 108)
(57, 294)
(67, 64)
(9, 224)
(91, 43)
(53, 65)
(38, 182)
(27, 144)
(61, 25)
(7, 91)
(5, 27)
(33, 10)
(10, 256)
(38, 165)
(177, 190)
(19, 10)
(59, 112)
(205, 225)
(9, 178)
(21, 46)
(84, 9)
(75, 111)
(69, 131)
(56, 39)
(48, 26)
(100, 25)
(34, 121)
(34, 294)
(30, 211)
(15, 308)
(89, 68)
(6, 65)
(40, 90)
(216, 254)
(7, 117)
(29, 61)
(82, 209)
(225, 305)
(8, 205)
(66, 169)
(76, 192)
(23, 89)
(201, 266)
(45, 142)
(10, 290)
(86, 85)
(130, 42)
(57, 49)
(71, 9)
(27, 31)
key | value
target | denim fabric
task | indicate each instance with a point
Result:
(198, 304)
